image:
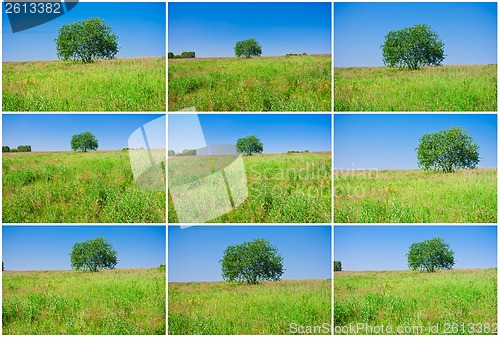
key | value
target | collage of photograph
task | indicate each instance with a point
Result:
(249, 168)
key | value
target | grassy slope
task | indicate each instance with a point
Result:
(406, 298)
(126, 301)
(256, 84)
(447, 88)
(267, 308)
(466, 196)
(113, 85)
(75, 187)
(290, 188)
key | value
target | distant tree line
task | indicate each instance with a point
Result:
(296, 151)
(187, 152)
(291, 54)
(20, 148)
(183, 55)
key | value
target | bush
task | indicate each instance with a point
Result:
(188, 54)
(170, 55)
(5, 149)
(24, 148)
(337, 266)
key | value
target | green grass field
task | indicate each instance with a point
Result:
(296, 83)
(446, 88)
(76, 187)
(458, 302)
(415, 196)
(123, 302)
(111, 85)
(291, 188)
(268, 308)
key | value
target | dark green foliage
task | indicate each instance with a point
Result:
(5, 148)
(413, 47)
(252, 262)
(188, 54)
(86, 41)
(24, 148)
(447, 150)
(171, 153)
(247, 48)
(249, 145)
(430, 255)
(84, 141)
(93, 255)
(170, 55)
(337, 266)
(3, 267)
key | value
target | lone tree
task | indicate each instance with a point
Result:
(84, 141)
(430, 255)
(413, 47)
(447, 150)
(249, 145)
(86, 41)
(252, 262)
(247, 48)
(337, 266)
(93, 255)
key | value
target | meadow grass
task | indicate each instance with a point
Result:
(282, 188)
(268, 308)
(136, 84)
(122, 301)
(297, 83)
(462, 301)
(446, 88)
(415, 196)
(76, 187)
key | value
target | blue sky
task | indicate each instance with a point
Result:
(279, 133)
(53, 132)
(140, 27)
(194, 252)
(212, 29)
(389, 141)
(468, 30)
(48, 247)
(363, 248)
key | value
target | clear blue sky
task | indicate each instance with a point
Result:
(194, 252)
(140, 27)
(468, 30)
(211, 29)
(389, 141)
(53, 132)
(48, 247)
(279, 133)
(363, 248)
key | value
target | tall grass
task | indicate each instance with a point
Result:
(269, 308)
(123, 302)
(291, 188)
(447, 88)
(75, 187)
(456, 301)
(390, 196)
(257, 84)
(137, 84)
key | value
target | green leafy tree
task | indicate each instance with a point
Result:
(3, 267)
(84, 141)
(188, 54)
(430, 255)
(24, 148)
(247, 48)
(93, 255)
(413, 47)
(249, 145)
(252, 262)
(170, 55)
(337, 266)
(447, 150)
(86, 41)
(5, 148)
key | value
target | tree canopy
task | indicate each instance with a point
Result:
(93, 255)
(247, 48)
(413, 47)
(249, 145)
(84, 141)
(86, 41)
(430, 255)
(252, 262)
(337, 266)
(447, 150)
